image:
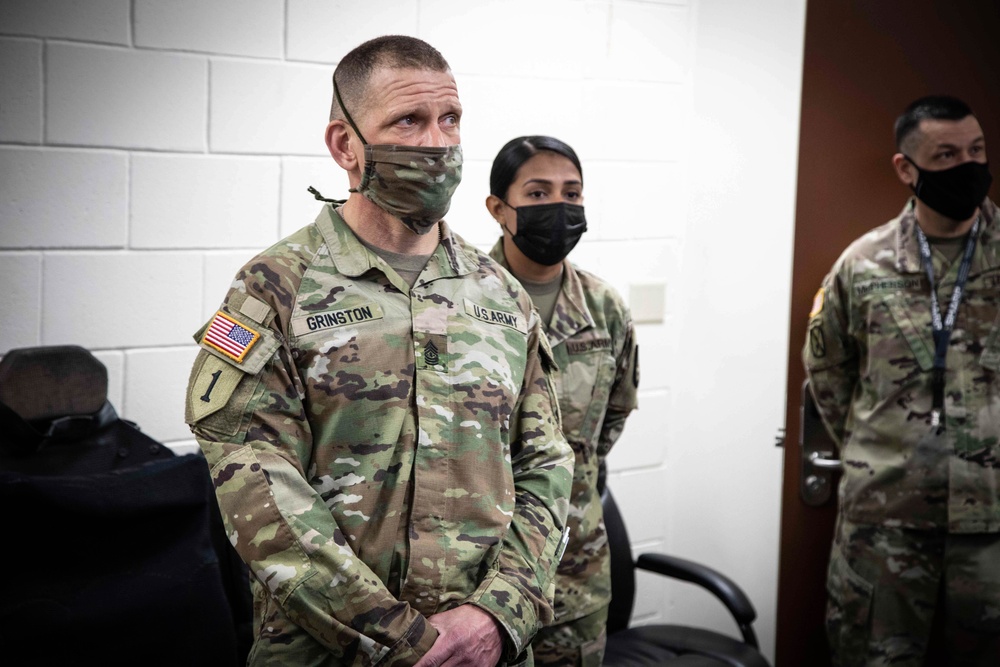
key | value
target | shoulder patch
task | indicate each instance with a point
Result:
(229, 337)
(817, 307)
(212, 384)
(817, 342)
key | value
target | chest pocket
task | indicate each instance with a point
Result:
(478, 365)
(978, 323)
(892, 332)
(584, 387)
(912, 317)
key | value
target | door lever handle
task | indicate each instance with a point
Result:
(818, 464)
(820, 460)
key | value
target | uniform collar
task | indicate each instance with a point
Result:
(908, 248)
(571, 314)
(352, 258)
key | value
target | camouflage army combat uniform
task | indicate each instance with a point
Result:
(916, 506)
(381, 453)
(593, 341)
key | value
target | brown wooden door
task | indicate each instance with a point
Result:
(865, 60)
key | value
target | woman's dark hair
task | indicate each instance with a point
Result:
(518, 151)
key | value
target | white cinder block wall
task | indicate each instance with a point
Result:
(148, 148)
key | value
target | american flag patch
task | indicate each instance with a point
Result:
(229, 337)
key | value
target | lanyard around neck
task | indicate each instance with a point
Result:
(942, 328)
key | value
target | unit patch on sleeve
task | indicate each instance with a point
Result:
(229, 337)
(817, 342)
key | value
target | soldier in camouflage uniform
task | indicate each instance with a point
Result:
(383, 433)
(916, 413)
(536, 189)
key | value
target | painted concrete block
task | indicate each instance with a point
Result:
(114, 362)
(21, 91)
(105, 21)
(483, 38)
(496, 110)
(610, 107)
(285, 111)
(236, 27)
(20, 300)
(468, 215)
(639, 493)
(203, 201)
(298, 206)
(314, 26)
(155, 390)
(97, 96)
(643, 442)
(121, 299)
(220, 268)
(55, 198)
(646, 42)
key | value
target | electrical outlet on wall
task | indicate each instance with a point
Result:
(647, 302)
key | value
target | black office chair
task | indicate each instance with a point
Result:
(672, 645)
(114, 546)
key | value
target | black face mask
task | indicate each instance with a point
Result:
(955, 192)
(547, 232)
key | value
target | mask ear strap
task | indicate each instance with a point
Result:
(319, 196)
(340, 102)
(913, 186)
(502, 225)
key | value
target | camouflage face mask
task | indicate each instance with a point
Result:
(412, 183)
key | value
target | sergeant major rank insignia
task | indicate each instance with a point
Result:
(230, 337)
(431, 357)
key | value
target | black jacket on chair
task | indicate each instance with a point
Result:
(114, 550)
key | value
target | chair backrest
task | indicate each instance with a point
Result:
(40, 383)
(121, 540)
(622, 566)
(55, 418)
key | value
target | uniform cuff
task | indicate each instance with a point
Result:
(412, 646)
(511, 608)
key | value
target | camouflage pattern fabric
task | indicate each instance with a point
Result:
(413, 183)
(381, 453)
(869, 354)
(593, 340)
(885, 584)
(578, 643)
